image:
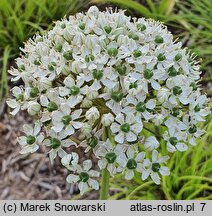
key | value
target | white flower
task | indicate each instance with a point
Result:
(84, 175)
(53, 63)
(18, 102)
(131, 161)
(109, 157)
(197, 110)
(57, 141)
(30, 143)
(74, 90)
(140, 108)
(115, 100)
(70, 160)
(51, 100)
(133, 87)
(173, 124)
(175, 141)
(146, 77)
(192, 130)
(92, 141)
(152, 168)
(66, 120)
(105, 77)
(21, 72)
(180, 89)
(127, 128)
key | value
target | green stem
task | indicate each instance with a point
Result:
(153, 132)
(104, 184)
(75, 140)
(105, 174)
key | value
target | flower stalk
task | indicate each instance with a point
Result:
(104, 190)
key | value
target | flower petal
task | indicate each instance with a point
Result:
(164, 171)
(87, 164)
(93, 184)
(181, 147)
(102, 163)
(129, 174)
(83, 187)
(155, 177)
(119, 137)
(145, 174)
(72, 178)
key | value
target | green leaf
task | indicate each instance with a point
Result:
(166, 6)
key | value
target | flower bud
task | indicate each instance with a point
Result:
(141, 107)
(82, 26)
(111, 157)
(76, 67)
(173, 141)
(107, 119)
(21, 68)
(172, 71)
(92, 95)
(121, 69)
(52, 106)
(58, 39)
(86, 129)
(92, 114)
(163, 95)
(74, 90)
(33, 108)
(86, 103)
(45, 83)
(93, 10)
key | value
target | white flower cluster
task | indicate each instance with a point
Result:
(101, 81)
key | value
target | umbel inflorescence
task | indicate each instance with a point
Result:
(102, 82)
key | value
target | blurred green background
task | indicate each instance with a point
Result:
(190, 21)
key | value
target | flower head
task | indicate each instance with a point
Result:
(104, 83)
